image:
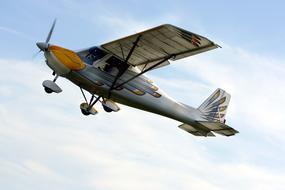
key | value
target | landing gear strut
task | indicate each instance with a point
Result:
(88, 108)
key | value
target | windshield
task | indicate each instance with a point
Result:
(92, 55)
(95, 53)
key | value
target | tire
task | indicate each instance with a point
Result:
(48, 90)
(84, 112)
(107, 109)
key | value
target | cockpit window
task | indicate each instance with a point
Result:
(113, 62)
(115, 65)
(94, 54)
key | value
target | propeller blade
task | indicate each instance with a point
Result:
(50, 32)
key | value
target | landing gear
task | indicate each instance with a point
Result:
(109, 106)
(107, 109)
(51, 86)
(48, 90)
(88, 108)
(84, 112)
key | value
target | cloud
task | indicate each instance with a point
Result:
(45, 142)
(254, 81)
(15, 32)
(45, 139)
(39, 169)
(254, 177)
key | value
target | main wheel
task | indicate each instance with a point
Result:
(107, 109)
(48, 90)
(84, 112)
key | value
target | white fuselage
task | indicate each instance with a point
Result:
(163, 105)
(139, 93)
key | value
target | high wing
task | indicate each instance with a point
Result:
(165, 42)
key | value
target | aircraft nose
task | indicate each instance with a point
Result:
(42, 46)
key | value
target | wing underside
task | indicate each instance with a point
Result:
(160, 43)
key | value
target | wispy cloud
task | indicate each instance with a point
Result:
(46, 142)
(255, 82)
(53, 140)
(14, 32)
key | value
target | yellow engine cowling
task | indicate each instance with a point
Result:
(63, 60)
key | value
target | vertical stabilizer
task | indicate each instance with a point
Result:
(215, 107)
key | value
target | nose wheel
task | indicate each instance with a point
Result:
(48, 90)
(51, 86)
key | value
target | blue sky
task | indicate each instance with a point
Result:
(46, 143)
(253, 25)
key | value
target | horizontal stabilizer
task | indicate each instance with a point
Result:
(219, 128)
(206, 129)
(195, 131)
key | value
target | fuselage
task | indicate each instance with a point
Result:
(94, 70)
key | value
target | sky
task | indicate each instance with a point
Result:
(46, 143)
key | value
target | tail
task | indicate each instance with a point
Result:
(212, 112)
(215, 107)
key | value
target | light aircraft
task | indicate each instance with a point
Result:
(113, 73)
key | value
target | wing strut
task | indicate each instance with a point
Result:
(144, 71)
(126, 65)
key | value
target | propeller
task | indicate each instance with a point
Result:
(43, 46)
(51, 30)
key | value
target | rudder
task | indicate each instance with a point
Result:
(214, 108)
